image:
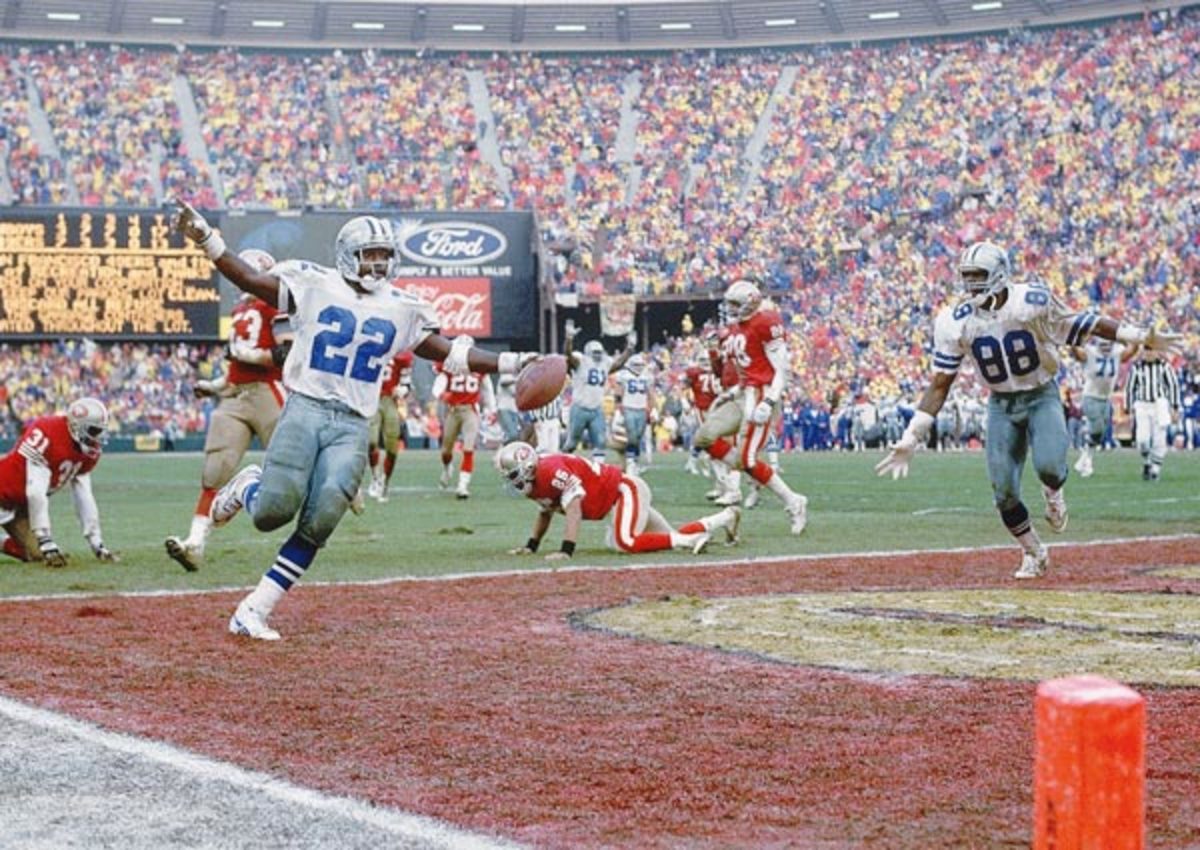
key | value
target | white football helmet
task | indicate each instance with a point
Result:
(983, 271)
(595, 350)
(358, 235)
(517, 465)
(87, 420)
(636, 364)
(258, 260)
(742, 300)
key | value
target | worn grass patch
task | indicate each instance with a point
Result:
(1011, 634)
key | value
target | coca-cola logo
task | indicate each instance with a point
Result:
(463, 305)
(452, 243)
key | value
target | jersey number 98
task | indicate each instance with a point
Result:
(1016, 355)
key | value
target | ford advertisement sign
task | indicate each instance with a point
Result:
(477, 268)
(450, 243)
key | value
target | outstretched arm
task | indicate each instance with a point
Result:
(622, 357)
(191, 224)
(919, 426)
(460, 356)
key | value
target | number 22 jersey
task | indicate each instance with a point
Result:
(1013, 348)
(344, 337)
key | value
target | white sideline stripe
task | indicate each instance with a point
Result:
(605, 568)
(402, 824)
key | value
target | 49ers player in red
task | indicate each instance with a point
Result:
(252, 395)
(461, 394)
(757, 345)
(586, 489)
(53, 451)
(704, 386)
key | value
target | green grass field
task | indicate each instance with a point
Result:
(426, 532)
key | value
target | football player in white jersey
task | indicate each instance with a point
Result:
(589, 381)
(1101, 360)
(1012, 331)
(636, 385)
(348, 321)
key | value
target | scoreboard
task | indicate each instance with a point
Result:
(103, 274)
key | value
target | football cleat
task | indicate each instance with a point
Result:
(1033, 565)
(187, 555)
(1056, 509)
(231, 498)
(732, 524)
(462, 493)
(713, 494)
(248, 621)
(375, 488)
(444, 481)
(690, 467)
(798, 511)
(751, 501)
(729, 499)
(1084, 466)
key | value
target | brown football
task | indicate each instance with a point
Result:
(541, 381)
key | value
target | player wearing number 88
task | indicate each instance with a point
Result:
(348, 322)
(1011, 332)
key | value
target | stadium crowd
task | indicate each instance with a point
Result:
(1077, 147)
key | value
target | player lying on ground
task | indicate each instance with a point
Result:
(348, 322)
(585, 489)
(251, 397)
(1012, 331)
(53, 451)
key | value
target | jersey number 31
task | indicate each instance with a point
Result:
(331, 348)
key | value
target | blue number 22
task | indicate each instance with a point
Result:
(368, 359)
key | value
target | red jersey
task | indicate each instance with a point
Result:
(253, 325)
(560, 477)
(463, 389)
(746, 346)
(704, 386)
(394, 370)
(46, 441)
(722, 365)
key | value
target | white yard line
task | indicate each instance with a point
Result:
(587, 568)
(427, 831)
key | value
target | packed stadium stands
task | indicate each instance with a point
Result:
(845, 178)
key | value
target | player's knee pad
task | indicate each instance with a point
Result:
(219, 466)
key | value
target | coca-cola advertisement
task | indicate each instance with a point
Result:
(479, 269)
(464, 304)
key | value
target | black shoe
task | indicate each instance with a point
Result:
(1145, 473)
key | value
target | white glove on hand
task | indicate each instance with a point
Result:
(897, 460)
(192, 225)
(762, 413)
(51, 554)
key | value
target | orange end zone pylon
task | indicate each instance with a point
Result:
(1090, 765)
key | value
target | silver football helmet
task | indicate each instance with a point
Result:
(742, 300)
(595, 350)
(983, 271)
(358, 235)
(257, 259)
(517, 465)
(87, 420)
(636, 364)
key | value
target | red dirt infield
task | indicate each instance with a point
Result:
(475, 701)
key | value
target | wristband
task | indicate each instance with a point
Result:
(532, 544)
(1131, 334)
(213, 246)
(919, 426)
(568, 546)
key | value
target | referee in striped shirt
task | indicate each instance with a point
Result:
(1152, 394)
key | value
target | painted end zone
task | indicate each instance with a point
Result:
(477, 702)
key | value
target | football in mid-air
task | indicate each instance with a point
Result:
(540, 382)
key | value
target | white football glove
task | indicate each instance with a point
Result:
(51, 554)
(762, 413)
(192, 225)
(897, 459)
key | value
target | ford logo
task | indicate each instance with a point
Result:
(453, 243)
